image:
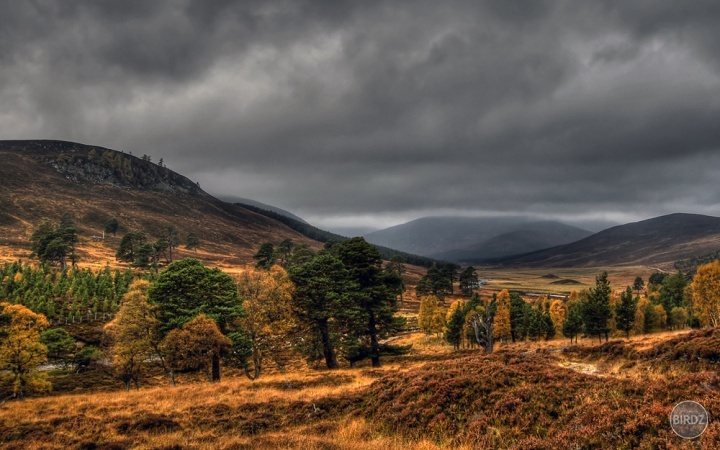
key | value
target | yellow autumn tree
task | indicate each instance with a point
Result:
(438, 321)
(428, 316)
(501, 328)
(21, 350)
(706, 294)
(558, 314)
(195, 345)
(134, 334)
(639, 327)
(266, 296)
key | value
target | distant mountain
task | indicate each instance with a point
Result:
(659, 240)
(352, 231)
(471, 239)
(257, 204)
(317, 234)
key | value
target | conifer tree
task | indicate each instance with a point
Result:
(321, 287)
(596, 310)
(625, 312)
(374, 304)
(455, 322)
(572, 326)
(186, 289)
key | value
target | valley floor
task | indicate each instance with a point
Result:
(525, 395)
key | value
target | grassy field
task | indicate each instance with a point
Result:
(526, 395)
(560, 281)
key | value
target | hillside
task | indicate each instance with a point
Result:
(43, 179)
(246, 201)
(470, 239)
(657, 241)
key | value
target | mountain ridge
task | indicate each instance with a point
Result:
(658, 240)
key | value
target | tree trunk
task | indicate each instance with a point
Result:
(374, 346)
(328, 350)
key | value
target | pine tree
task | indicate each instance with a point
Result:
(186, 289)
(596, 310)
(625, 312)
(372, 316)
(321, 287)
(573, 325)
(456, 320)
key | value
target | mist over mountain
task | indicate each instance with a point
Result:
(257, 204)
(475, 238)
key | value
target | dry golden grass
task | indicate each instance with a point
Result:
(291, 410)
(532, 281)
(310, 409)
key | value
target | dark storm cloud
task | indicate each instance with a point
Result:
(372, 110)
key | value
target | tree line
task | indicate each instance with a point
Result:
(669, 301)
(337, 303)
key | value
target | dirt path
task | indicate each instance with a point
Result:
(586, 368)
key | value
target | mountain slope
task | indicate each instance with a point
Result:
(246, 201)
(43, 179)
(659, 240)
(475, 239)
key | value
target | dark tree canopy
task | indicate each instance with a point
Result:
(596, 310)
(129, 246)
(112, 226)
(321, 286)
(187, 288)
(625, 311)
(55, 245)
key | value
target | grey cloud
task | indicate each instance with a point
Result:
(387, 108)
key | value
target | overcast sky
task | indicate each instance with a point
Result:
(375, 113)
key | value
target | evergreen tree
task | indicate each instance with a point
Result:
(625, 312)
(374, 302)
(638, 284)
(453, 332)
(321, 287)
(59, 343)
(573, 325)
(469, 281)
(596, 310)
(520, 310)
(112, 226)
(449, 273)
(265, 256)
(186, 289)
(129, 245)
(192, 242)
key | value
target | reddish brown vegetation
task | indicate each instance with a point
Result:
(511, 400)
